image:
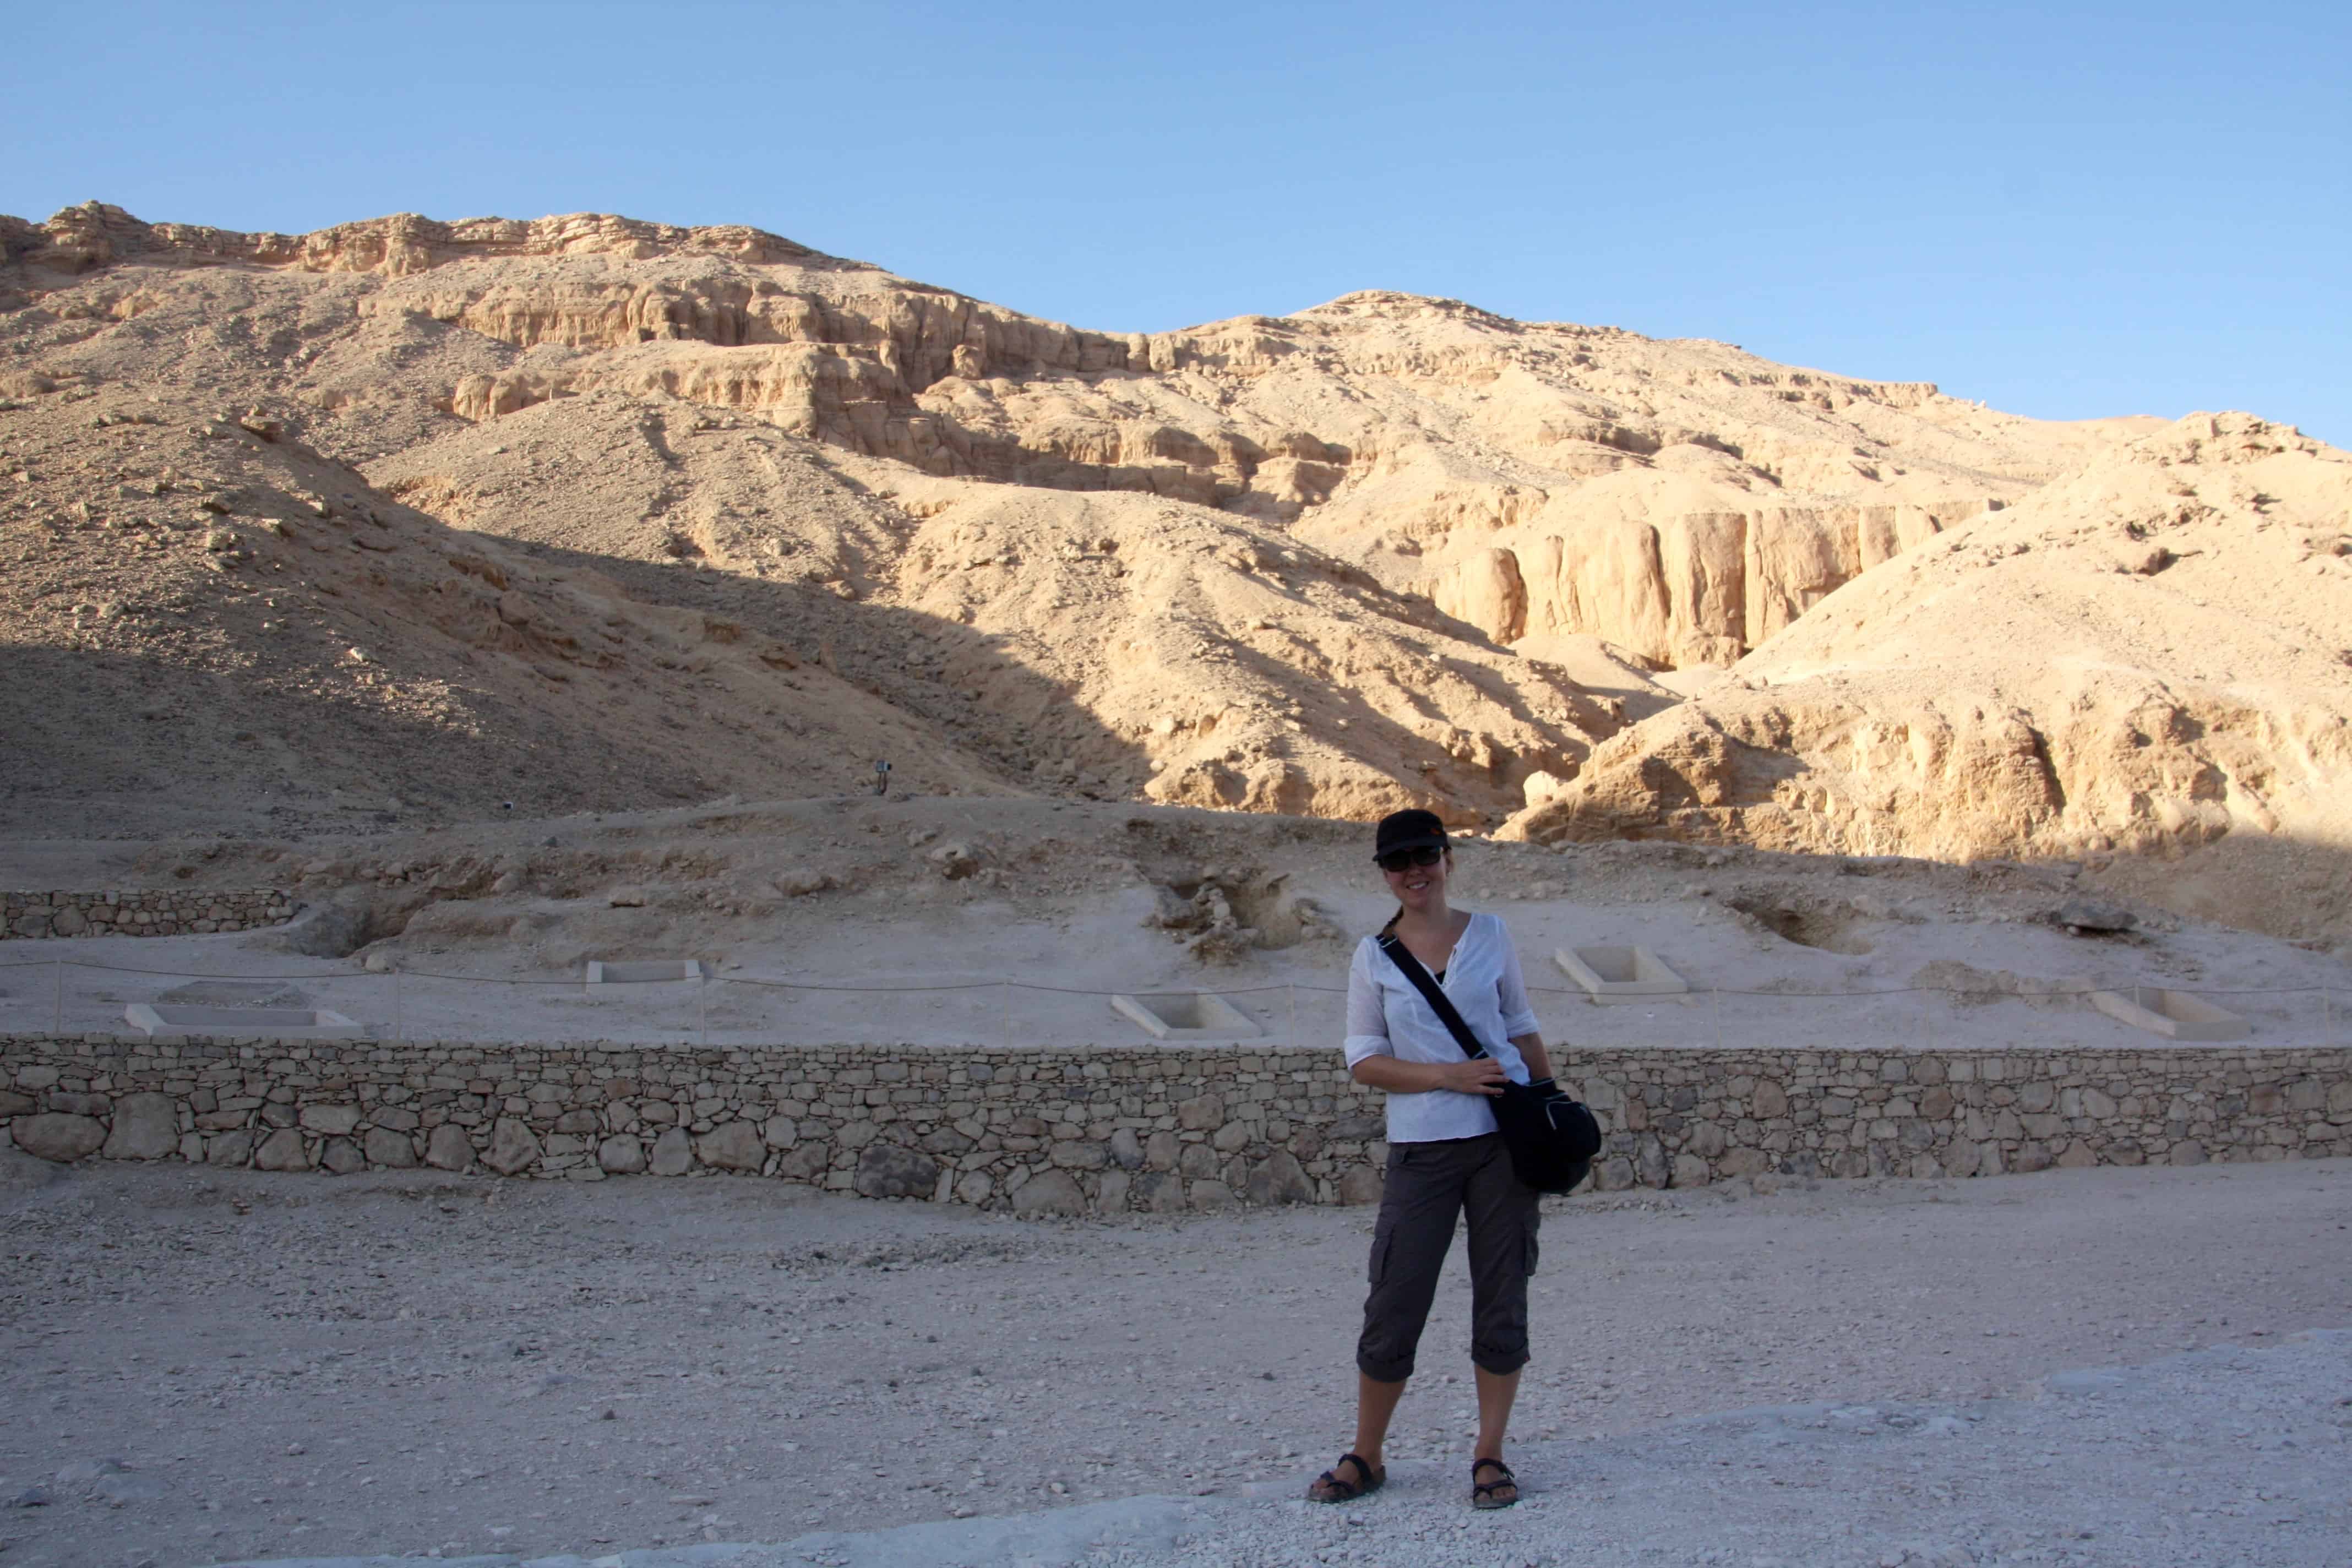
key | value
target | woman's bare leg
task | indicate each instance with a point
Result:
(1376, 1403)
(1497, 1392)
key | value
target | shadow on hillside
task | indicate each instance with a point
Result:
(106, 743)
(907, 658)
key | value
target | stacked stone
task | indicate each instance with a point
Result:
(154, 912)
(1118, 1130)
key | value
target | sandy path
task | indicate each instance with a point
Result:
(293, 1367)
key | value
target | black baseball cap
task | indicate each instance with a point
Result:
(1414, 829)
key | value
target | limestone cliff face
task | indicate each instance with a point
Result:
(2144, 667)
(1698, 588)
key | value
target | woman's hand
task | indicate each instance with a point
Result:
(1479, 1075)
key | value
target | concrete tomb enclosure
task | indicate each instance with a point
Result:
(162, 1020)
(1187, 1015)
(1620, 973)
(2175, 1014)
(644, 972)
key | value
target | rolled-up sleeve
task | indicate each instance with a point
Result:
(1511, 992)
(1367, 1021)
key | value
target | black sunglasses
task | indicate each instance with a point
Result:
(1398, 859)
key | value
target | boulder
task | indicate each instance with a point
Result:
(673, 1153)
(342, 1156)
(321, 930)
(514, 1148)
(1278, 1179)
(385, 1147)
(1202, 1114)
(282, 1151)
(621, 1156)
(1361, 1184)
(1211, 1195)
(146, 1127)
(58, 1136)
(448, 1148)
(1160, 1192)
(732, 1146)
(1050, 1192)
(334, 1120)
(229, 1148)
(2090, 916)
(889, 1170)
(805, 1161)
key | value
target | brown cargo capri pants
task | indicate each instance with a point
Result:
(1429, 1186)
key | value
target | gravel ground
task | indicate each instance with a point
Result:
(207, 1366)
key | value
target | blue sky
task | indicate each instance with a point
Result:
(2065, 210)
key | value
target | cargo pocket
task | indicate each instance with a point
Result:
(1533, 1223)
(1383, 1242)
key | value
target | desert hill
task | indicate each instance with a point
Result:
(2147, 659)
(678, 512)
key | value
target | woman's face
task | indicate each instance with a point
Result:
(1418, 887)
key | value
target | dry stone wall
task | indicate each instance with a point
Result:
(155, 913)
(1108, 1130)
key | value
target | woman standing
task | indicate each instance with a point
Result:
(1445, 1157)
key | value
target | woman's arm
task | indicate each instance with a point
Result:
(1475, 1075)
(1531, 1051)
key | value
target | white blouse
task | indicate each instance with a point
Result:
(1387, 1018)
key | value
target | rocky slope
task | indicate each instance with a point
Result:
(743, 517)
(2143, 660)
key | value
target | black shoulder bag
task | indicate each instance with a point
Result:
(1553, 1139)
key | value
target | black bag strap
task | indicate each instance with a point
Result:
(1439, 1003)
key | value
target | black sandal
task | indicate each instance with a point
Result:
(1331, 1486)
(1482, 1493)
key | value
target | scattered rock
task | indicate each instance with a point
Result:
(954, 861)
(2089, 917)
